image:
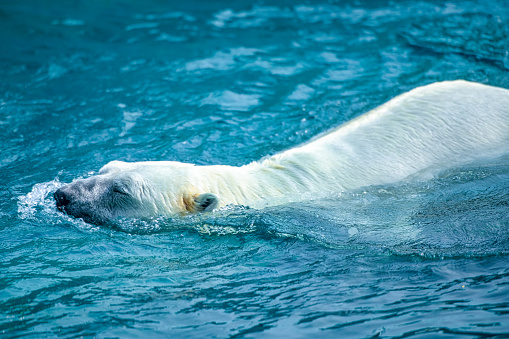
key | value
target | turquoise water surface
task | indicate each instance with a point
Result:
(228, 82)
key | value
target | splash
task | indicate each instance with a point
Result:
(38, 200)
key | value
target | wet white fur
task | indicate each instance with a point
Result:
(432, 127)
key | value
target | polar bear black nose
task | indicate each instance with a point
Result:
(61, 199)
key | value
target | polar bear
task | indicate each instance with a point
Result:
(431, 127)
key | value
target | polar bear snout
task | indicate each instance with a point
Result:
(87, 199)
(68, 201)
(61, 199)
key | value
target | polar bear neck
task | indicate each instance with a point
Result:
(285, 176)
(254, 184)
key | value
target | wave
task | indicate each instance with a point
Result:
(461, 213)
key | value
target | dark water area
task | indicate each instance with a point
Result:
(227, 82)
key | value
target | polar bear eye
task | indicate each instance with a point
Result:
(120, 187)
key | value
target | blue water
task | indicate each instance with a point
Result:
(228, 82)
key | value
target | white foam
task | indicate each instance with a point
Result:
(38, 199)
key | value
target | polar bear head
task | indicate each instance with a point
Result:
(140, 189)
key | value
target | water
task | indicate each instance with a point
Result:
(221, 82)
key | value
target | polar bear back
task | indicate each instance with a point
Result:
(435, 126)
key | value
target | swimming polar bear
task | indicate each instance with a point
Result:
(435, 126)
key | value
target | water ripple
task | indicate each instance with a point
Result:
(211, 82)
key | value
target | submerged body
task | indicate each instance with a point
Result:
(432, 127)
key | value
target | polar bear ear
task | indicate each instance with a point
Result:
(205, 202)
